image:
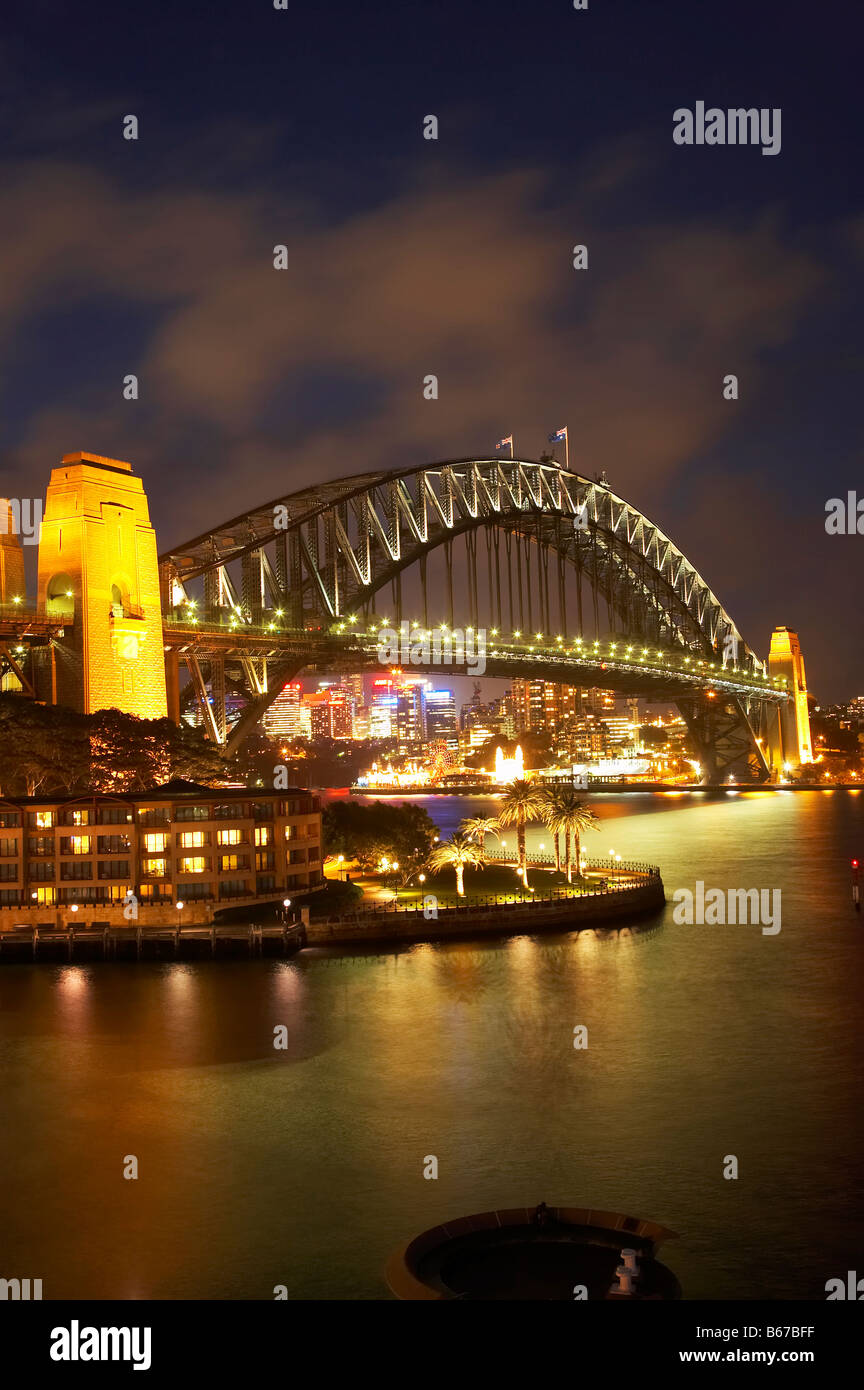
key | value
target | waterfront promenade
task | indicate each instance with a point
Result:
(615, 895)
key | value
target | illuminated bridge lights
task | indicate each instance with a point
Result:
(622, 655)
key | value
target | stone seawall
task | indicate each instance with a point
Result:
(566, 914)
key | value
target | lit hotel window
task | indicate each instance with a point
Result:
(79, 818)
(192, 839)
(228, 837)
(154, 844)
(154, 867)
(43, 895)
(262, 835)
(79, 844)
(44, 819)
(194, 865)
(227, 861)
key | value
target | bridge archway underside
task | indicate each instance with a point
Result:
(525, 546)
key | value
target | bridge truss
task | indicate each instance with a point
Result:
(511, 546)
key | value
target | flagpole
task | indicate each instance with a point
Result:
(512, 449)
(567, 447)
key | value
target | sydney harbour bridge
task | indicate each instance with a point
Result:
(563, 579)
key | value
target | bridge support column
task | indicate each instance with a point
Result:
(172, 685)
(217, 694)
(725, 739)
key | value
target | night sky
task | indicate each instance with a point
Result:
(454, 257)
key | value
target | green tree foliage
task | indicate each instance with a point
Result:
(458, 853)
(566, 815)
(522, 802)
(378, 831)
(50, 750)
(478, 827)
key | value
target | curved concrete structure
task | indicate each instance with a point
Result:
(514, 1254)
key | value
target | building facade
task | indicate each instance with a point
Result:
(181, 843)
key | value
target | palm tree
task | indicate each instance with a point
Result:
(549, 815)
(522, 802)
(478, 827)
(458, 853)
(571, 818)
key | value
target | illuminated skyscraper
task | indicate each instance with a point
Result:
(441, 718)
(287, 717)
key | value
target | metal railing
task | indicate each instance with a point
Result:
(632, 876)
(605, 866)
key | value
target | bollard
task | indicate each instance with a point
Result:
(627, 1273)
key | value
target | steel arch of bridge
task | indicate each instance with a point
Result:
(321, 554)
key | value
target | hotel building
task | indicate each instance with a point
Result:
(178, 843)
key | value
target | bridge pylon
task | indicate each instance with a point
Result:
(98, 569)
(791, 742)
(13, 584)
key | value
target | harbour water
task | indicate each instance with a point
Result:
(303, 1166)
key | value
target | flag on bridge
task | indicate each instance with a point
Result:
(502, 444)
(556, 439)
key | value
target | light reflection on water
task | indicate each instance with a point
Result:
(303, 1166)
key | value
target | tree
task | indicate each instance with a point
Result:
(478, 827)
(570, 817)
(458, 853)
(42, 749)
(370, 833)
(56, 751)
(549, 815)
(522, 802)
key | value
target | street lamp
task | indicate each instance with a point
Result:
(179, 907)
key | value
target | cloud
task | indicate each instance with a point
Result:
(468, 279)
